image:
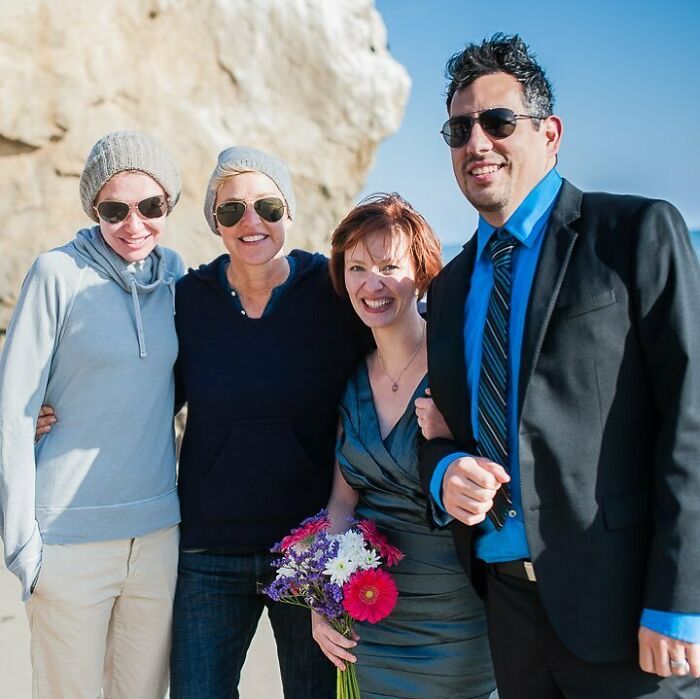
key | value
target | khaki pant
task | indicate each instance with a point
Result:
(100, 618)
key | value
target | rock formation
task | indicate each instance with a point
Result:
(309, 80)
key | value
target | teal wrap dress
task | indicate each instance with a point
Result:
(434, 643)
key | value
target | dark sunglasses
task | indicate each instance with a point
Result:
(229, 213)
(498, 123)
(116, 211)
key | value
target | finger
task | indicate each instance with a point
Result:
(692, 653)
(336, 661)
(457, 488)
(465, 517)
(498, 472)
(467, 470)
(662, 666)
(646, 659)
(677, 658)
(341, 653)
(427, 392)
(40, 430)
(475, 503)
(46, 410)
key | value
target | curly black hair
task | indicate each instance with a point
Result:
(502, 53)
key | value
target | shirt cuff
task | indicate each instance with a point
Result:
(439, 513)
(683, 627)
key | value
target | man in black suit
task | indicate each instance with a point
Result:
(564, 354)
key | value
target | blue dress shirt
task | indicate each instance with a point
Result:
(527, 225)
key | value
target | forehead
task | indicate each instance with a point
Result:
(486, 92)
(380, 245)
(248, 185)
(130, 186)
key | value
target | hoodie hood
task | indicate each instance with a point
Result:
(135, 278)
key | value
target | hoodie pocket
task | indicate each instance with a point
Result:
(261, 474)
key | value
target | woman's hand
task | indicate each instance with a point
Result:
(333, 644)
(46, 419)
(430, 419)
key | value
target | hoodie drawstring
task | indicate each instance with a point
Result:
(171, 286)
(139, 322)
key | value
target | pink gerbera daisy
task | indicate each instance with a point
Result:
(370, 595)
(308, 529)
(376, 539)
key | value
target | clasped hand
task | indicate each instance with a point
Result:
(469, 487)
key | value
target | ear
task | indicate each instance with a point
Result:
(553, 129)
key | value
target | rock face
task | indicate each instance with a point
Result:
(309, 80)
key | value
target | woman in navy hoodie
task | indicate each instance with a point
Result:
(266, 347)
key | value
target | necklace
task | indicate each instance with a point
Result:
(395, 381)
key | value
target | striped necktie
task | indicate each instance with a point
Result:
(493, 380)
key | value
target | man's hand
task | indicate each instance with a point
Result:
(665, 656)
(469, 486)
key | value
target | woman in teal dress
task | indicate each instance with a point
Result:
(434, 644)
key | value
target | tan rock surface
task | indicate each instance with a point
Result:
(310, 80)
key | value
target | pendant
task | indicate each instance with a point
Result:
(395, 387)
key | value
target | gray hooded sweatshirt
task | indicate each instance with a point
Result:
(94, 337)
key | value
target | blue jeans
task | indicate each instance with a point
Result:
(218, 603)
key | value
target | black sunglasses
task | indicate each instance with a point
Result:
(116, 211)
(498, 123)
(229, 213)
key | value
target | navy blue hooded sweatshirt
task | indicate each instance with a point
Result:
(262, 394)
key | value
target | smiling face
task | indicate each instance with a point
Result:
(496, 175)
(134, 238)
(253, 240)
(380, 278)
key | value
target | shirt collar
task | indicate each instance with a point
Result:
(523, 222)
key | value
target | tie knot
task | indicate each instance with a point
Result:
(501, 247)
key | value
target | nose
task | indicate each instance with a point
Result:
(479, 141)
(133, 222)
(250, 215)
(374, 282)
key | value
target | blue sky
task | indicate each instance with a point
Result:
(627, 84)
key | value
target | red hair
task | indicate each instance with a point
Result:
(389, 214)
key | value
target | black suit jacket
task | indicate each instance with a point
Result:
(608, 416)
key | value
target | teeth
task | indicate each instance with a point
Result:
(486, 170)
(252, 238)
(377, 303)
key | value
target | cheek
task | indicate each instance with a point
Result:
(156, 226)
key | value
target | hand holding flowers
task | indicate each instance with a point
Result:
(341, 579)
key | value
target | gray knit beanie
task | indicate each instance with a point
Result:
(121, 151)
(243, 159)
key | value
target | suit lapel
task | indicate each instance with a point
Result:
(551, 269)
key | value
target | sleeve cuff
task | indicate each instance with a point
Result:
(683, 627)
(439, 513)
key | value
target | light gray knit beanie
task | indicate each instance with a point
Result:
(121, 151)
(244, 159)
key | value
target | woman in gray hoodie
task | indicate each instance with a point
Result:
(88, 517)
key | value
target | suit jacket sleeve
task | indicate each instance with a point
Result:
(667, 300)
(432, 451)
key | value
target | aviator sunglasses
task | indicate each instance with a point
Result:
(498, 123)
(229, 213)
(116, 211)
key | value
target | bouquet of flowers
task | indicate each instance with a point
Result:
(340, 576)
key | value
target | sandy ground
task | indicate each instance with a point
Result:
(260, 675)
